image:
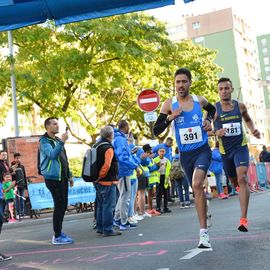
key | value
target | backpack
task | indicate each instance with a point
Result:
(90, 171)
(176, 171)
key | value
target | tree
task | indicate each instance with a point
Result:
(91, 72)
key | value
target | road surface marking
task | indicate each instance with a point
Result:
(194, 252)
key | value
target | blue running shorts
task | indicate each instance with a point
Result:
(234, 159)
(199, 158)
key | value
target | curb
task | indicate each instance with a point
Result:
(45, 220)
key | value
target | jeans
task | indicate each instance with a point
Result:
(59, 191)
(133, 192)
(180, 184)
(219, 185)
(161, 190)
(121, 210)
(19, 201)
(105, 206)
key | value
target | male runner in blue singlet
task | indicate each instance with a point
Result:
(185, 111)
(233, 142)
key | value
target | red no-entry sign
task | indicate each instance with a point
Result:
(148, 100)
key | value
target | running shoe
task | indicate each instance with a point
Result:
(116, 222)
(61, 241)
(127, 226)
(67, 237)
(4, 257)
(222, 196)
(204, 240)
(243, 226)
(138, 217)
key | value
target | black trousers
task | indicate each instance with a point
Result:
(161, 190)
(59, 191)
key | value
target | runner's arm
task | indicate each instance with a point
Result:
(163, 120)
(211, 110)
(248, 120)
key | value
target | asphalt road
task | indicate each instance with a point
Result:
(159, 243)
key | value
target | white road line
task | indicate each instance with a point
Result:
(194, 252)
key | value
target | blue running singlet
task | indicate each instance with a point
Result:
(232, 121)
(188, 127)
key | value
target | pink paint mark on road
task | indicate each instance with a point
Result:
(53, 250)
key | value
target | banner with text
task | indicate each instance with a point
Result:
(41, 198)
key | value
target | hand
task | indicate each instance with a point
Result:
(221, 132)
(138, 172)
(174, 114)
(207, 125)
(256, 133)
(71, 182)
(64, 137)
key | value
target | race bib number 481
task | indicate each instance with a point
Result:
(190, 135)
(232, 129)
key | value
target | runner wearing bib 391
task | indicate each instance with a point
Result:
(233, 143)
(185, 111)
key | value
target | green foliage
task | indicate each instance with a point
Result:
(75, 165)
(91, 72)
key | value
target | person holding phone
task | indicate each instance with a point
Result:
(54, 167)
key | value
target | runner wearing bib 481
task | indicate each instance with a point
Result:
(185, 111)
(233, 143)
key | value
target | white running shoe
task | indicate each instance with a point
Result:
(138, 217)
(132, 221)
(204, 240)
(146, 215)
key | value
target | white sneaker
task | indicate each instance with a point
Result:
(204, 240)
(146, 215)
(132, 221)
(138, 217)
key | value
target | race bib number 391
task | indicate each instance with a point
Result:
(232, 129)
(190, 135)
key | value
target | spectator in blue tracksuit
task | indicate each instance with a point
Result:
(216, 167)
(126, 165)
(168, 148)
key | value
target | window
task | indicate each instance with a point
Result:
(264, 42)
(265, 51)
(266, 60)
(196, 25)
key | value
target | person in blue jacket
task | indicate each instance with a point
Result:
(126, 165)
(168, 148)
(216, 167)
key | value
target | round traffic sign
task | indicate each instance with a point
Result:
(148, 100)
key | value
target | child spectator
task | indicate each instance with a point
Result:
(163, 185)
(8, 190)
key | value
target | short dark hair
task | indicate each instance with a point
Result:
(122, 123)
(184, 71)
(6, 173)
(17, 155)
(169, 139)
(48, 121)
(147, 147)
(2, 151)
(224, 79)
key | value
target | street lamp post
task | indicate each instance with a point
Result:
(13, 85)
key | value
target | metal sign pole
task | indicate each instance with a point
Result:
(13, 85)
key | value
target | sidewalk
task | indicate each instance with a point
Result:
(47, 218)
